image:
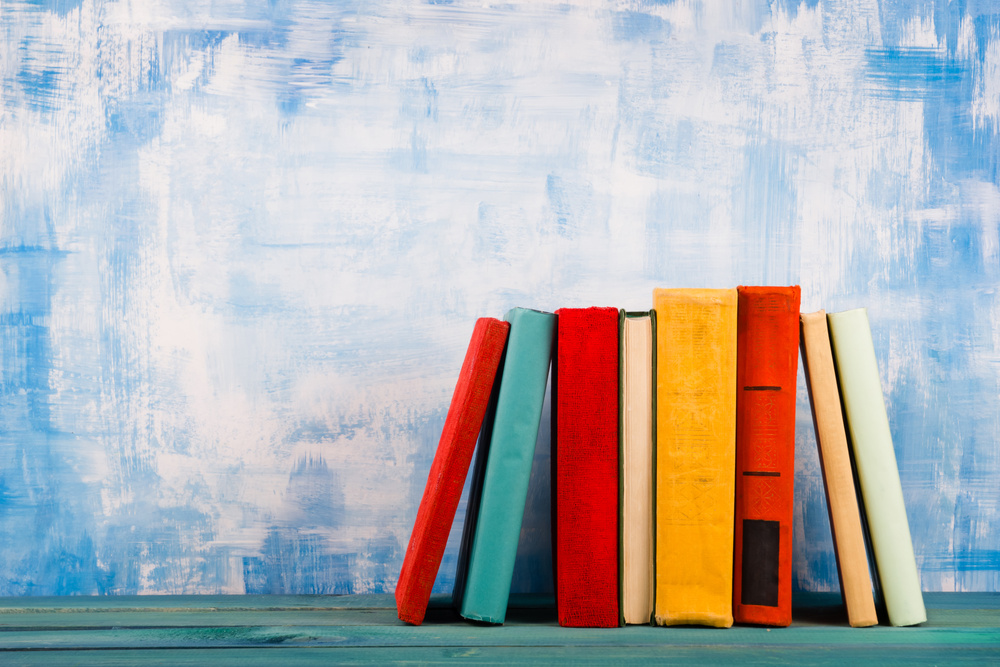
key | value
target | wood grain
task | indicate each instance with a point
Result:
(221, 630)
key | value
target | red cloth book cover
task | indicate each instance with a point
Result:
(450, 468)
(767, 346)
(585, 477)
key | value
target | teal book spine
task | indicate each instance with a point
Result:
(483, 593)
(878, 474)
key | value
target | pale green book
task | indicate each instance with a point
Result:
(483, 584)
(878, 474)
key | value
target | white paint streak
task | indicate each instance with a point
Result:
(274, 238)
(986, 101)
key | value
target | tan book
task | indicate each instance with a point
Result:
(841, 497)
(695, 455)
(637, 330)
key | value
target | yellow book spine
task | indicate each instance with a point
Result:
(695, 455)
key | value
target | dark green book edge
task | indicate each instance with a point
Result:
(621, 466)
(553, 448)
(652, 324)
(476, 488)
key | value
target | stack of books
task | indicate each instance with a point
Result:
(673, 440)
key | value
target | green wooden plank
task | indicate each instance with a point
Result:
(835, 617)
(457, 635)
(78, 619)
(125, 616)
(114, 612)
(681, 655)
(307, 630)
(203, 602)
(951, 600)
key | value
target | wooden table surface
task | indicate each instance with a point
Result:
(308, 630)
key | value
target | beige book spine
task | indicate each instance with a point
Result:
(841, 497)
(637, 470)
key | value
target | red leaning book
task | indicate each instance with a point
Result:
(585, 459)
(767, 346)
(450, 468)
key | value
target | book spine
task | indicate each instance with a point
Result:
(508, 466)
(878, 475)
(636, 495)
(838, 479)
(586, 453)
(449, 469)
(476, 489)
(696, 455)
(766, 369)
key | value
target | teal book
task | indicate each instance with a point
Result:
(503, 465)
(875, 461)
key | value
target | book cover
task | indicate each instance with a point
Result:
(878, 474)
(838, 479)
(636, 499)
(767, 354)
(449, 469)
(585, 467)
(504, 463)
(695, 455)
(475, 494)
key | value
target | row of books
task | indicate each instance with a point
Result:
(673, 439)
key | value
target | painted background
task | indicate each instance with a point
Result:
(243, 245)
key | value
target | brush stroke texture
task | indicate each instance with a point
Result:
(242, 246)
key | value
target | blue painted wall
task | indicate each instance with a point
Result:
(242, 247)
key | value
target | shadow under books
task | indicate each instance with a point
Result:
(808, 608)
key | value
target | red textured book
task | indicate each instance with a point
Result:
(585, 458)
(767, 355)
(450, 468)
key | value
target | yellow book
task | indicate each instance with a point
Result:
(695, 455)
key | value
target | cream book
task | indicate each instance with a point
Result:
(636, 502)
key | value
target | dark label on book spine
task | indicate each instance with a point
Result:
(760, 562)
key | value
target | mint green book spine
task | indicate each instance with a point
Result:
(508, 465)
(878, 474)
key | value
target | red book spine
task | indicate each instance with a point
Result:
(585, 426)
(449, 469)
(766, 366)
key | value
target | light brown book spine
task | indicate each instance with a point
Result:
(841, 497)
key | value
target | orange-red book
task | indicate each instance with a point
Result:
(449, 469)
(767, 346)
